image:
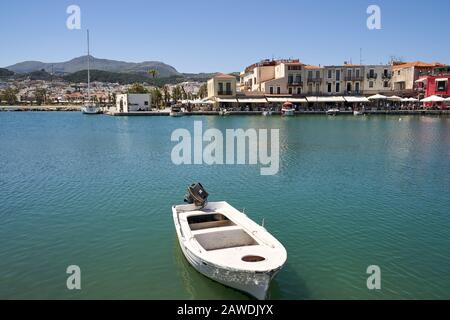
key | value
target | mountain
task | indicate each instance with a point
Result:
(80, 63)
(5, 73)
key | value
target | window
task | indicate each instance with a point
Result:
(310, 87)
(349, 87)
(357, 87)
(385, 72)
(317, 88)
(220, 88)
(330, 74)
(310, 73)
(370, 84)
(278, 90)
(290, 79)
(338, 87)
(338, 75)
(271, 90)
(358, 73)
(329, 87)
(146, 103)
(299, 90)
(228, 85)
(398, 72)
(349, 73)
(441, 85)
(317, 74)
(386, 84)
(290, 90)
(298, 78)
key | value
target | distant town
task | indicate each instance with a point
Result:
(263, 84)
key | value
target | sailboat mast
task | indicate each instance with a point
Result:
(89, 69)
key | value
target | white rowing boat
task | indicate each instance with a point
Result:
(225, 245)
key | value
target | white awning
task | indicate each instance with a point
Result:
(297, 100)
(394, 98)
(421, 80)
(330, 99)
(252, 100)
(356, 99)
(377, 97)
(433, 99)
(227, 100)
(311, 99)
(270, 99)
(442, 79)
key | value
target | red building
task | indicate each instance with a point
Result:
(437, 86)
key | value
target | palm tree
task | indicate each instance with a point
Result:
(154, 73)
(203, 91)
(166, 94)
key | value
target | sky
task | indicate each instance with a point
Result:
(211, 36)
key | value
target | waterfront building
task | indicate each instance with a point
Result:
(377, 79)
(347, 80)
(434, 85)
(405, 75)
(133, 102)
(313, 80)
(273, 77)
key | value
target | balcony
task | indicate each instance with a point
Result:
(387, 75)
(225, 93)
(354, 78)
(314, 79)
(372, 76)
(352, 93)
(295, 84)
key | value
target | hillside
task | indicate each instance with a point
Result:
(80, 63)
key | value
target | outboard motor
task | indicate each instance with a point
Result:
(197, 195)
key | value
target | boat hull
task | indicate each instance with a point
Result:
(254, 284)
(90, 110)
(288, 112)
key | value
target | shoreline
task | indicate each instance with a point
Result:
(164, 113)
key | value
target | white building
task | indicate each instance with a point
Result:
(133, 102)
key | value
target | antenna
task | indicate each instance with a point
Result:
(360, 57)
(89, 67)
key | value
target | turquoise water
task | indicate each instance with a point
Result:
(97, 192)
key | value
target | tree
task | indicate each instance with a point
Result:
(157, 97)
(166, 94)
(177, 94)
(10, 96)
(40, 95)
(203, 91)
(184, 95)
(153, 73)
(137, 88)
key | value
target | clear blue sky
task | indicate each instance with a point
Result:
(209, 35)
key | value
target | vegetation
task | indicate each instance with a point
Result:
(157, 97)
(5, 73)
(9, 95)
(166, 95)
(203, 91)
(40, 95)
(153, 73)
(137, 88)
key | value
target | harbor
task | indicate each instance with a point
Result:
(350, 192)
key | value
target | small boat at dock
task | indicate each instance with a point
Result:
(288, 109)
(225, 245)
(89, 107)
(176, 111)
(267, 112)
(358, 112)
(224, 112)
(333, 112)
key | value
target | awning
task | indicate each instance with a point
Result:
(330, 99)
(356, 99)
(377, 97)
(441, 79)
(433, 99)
(252, 100)
(298, 100)
(394, 98)
(311, 99)
(277, 99)
(421, 80)
(227, 100)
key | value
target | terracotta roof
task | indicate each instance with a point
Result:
(223, 75)
(313, 67)
(418, 64)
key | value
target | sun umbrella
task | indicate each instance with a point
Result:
(377, 97)
(394, 98)
(433, 99)
(447, 99)
(413, 99)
